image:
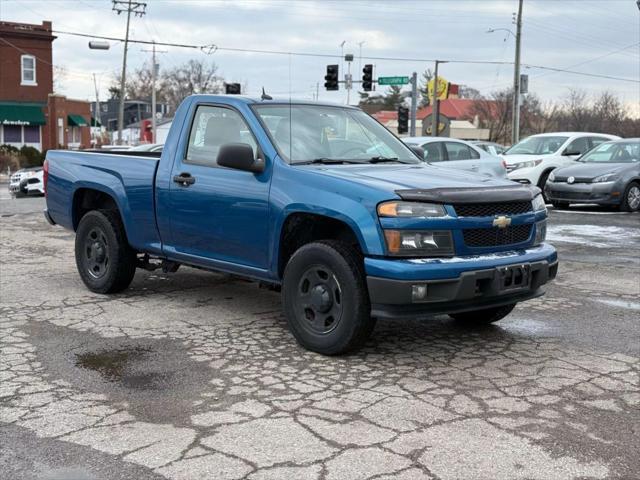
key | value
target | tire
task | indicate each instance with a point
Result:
(106, 263)
(325, 298)
(542, 182)
(631, 198)
(483, 317)
(563, 205)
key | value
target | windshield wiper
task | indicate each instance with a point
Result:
(381, 159)
(326, 161)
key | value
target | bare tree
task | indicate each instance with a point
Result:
(194, 76)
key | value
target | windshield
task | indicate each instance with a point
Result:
(619, 152)
(537, 146)
(325, 134)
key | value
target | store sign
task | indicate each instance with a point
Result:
(442, 90)
(16, 122)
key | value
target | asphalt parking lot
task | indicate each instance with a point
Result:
(194, 375)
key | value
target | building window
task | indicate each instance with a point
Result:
(32, 134)
(12, 134)
(28, 66)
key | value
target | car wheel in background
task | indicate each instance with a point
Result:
(542, 182)
(105, 260)
(631, 199)
(563, 205)
(325, 298)
(483, 317)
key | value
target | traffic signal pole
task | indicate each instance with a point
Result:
(515, 127)
(414, 103)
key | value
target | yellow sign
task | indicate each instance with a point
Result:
(443, 88)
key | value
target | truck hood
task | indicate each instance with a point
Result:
(402, 177)
(591, 170)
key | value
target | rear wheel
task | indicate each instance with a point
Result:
(483, 317)
(325, 298)
(631, 198)
(105, 260)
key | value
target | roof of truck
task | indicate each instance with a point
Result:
(275, 101)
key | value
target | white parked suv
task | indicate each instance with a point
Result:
(27, 181)
(532, 159)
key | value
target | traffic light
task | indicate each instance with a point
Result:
(232, 88)
(367, 77)
(403, 119)
(331, 78)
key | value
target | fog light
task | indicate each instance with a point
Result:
(418, 292)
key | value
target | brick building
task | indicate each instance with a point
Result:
(30, 113)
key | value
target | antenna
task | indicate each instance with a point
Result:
(264, 95)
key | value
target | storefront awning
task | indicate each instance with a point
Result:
(76, 121)
(21, 114)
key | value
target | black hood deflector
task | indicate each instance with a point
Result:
(502, 194)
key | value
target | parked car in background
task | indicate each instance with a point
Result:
(491, 148)
(532, 159)
(458, 155)
(607, 175)
(27, 181)
(147, 147)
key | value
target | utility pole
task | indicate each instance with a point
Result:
(414, 104)
(97, 115)
(138, 9)
(436, 103)
(515, 126)
(154, 76)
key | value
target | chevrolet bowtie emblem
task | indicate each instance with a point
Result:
(502, 221)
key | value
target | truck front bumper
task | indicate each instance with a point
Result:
(456, 284)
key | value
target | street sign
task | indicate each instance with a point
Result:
(393, 80)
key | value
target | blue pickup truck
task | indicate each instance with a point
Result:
(319, 201)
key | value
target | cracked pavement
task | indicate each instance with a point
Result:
(194, 375)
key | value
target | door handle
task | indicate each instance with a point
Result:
(185, 179)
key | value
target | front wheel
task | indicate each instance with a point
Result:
(631, 198)
(325, 298)
(106, 263)
(483, 317)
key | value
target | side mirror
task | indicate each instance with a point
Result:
(418, 150)
(239, 156)
(570, 153)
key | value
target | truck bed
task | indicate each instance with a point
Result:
(129, 179)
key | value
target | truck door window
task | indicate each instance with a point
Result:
(213, 127)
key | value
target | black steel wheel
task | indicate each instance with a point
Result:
(105, 261)
(325, 298)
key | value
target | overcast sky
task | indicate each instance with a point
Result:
(593, 36)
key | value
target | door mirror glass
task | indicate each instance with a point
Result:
(239, 156)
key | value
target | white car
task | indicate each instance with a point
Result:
(27, 181)
(532, 159)
(457, 154)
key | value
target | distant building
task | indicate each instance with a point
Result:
(134, 112)
(30, 113)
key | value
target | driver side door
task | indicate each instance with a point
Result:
(218, 216)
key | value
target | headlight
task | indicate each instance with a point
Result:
(527, 164)
(609, 177)
(416, 243)
(551, 177)
(541, 232)
(410, 209)
(538, 204)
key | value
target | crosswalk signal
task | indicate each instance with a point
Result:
(403, 119)
(331, 78)
(367, 77)
(232, 88)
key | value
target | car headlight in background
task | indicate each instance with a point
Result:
(417, 243)
(538, 204)
(609, 177)
(527, 164)
(411, 210)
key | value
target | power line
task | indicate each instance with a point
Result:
(212, 48)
